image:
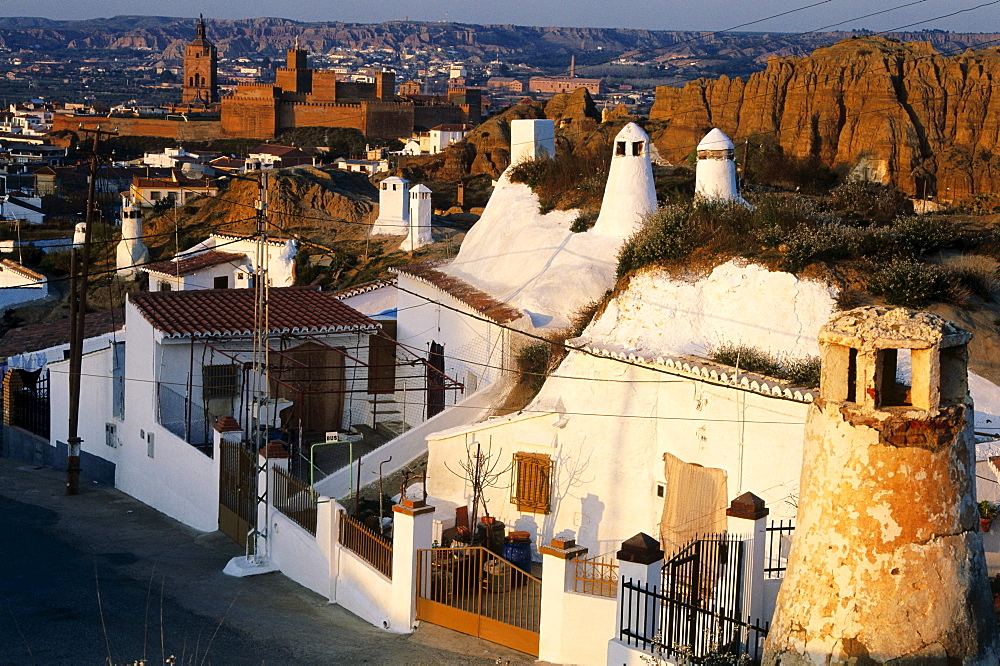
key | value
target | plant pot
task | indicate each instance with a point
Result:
(985, 523)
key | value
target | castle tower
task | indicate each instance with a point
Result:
(887, 558)
(200, 65)
(532, 140)
(419, 232)
(393, 207)
(629, 195)
(295, 77)
(131, 249)
(715, 174)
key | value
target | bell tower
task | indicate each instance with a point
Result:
(200, 65)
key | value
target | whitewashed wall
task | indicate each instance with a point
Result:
(607, 468)
(96, 409)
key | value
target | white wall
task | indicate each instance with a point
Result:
(96, 409)
(298, 555)
(374, 302)
(607, 467)
(362, 590)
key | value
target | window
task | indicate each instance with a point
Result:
(532, 487)
(619, 147)
(221, 282)
(637, 149)
(165, 286)
(218, 381)
(155, 195)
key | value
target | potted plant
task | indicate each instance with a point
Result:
(987, 513)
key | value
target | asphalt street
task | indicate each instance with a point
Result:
(101, 578)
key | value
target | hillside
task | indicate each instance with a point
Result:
(925, 122)
(166, 37)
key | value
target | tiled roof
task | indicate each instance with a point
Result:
(36, 337)
(230, 312)
(272, 149)
(365, 287)
(18, 269)
(475, 298)
(195, 263)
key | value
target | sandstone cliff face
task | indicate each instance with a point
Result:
(908, 115)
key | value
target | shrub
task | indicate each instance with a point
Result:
(533, 363)
(919, 235)
(666, 235)
(909, 283)
(869, 202)
(802, 371)
(978, 280)
(583, 222)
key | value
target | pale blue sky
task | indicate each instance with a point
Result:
(653, 14)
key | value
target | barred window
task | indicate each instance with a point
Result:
(219, 381)
(532, 487)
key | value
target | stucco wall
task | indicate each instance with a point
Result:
(96, 409)
(362, 590)
(607, 434)
(298, 555)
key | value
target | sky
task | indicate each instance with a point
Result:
(652, 14)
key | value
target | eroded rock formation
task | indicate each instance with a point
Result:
(899, 112)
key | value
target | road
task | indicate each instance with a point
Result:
(101, 577)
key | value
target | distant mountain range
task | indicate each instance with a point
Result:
(166, 36)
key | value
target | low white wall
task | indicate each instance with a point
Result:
(362, 590)
(178, 480)
(589, 623)
(297, 553)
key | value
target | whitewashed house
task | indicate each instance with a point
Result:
(152, 393)
(20, 285)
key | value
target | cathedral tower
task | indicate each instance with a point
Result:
(200, 64)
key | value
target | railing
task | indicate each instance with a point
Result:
(365, 544)
(181, 417)
(668, 627)
(29, 402)
(779, 541)
(295, 499)
(597, 576)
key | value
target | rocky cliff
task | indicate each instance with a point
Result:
(896, 112)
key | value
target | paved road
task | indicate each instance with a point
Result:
(101, 576)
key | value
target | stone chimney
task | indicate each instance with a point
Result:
(419, 230)
(131, 250)
(393, 207)
(630, 194)
(715, 173)
(887, 560)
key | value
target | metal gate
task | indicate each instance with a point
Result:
(473, 591)
(237, 493)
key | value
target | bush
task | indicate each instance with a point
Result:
(909, 283)
(583, 222)
(919, 235)
(533, 363)
(869, 202)
(977, 280)
(802, 372)
(667, 235)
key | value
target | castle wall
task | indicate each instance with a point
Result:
(195, 130)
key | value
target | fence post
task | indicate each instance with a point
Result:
(412, 529)
(640, 562)
(558, 573)
(748, 515)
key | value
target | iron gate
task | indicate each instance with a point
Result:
(473, 591)
(237, 493)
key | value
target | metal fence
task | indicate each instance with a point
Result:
(365, 544)
(29, 403)
(777, 546)
(667, 627)
(181, 417)
(295, 499)
(597, 576)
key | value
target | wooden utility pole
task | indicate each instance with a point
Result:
(79, 270)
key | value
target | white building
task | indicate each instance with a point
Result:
(442, 136)
(421, 213)
(20, 285)
(24, 209)
(393, 207)
(152, 393)
(532, 139)
(630, 194)
(226, 255)
(132, 251)
(368, 167)
(715, 173)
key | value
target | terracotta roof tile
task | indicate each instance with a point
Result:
(365, 287)
(18, 269)
(36, 337)
(475, 298)
(192, 264)
(230, 312)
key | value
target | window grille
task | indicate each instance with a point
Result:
(219, 381)
(532, 487)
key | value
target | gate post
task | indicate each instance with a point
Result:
(558, 573)
(412, 531)
(747, 515)
(640, 563)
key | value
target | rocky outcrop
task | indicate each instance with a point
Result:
(896, 112)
